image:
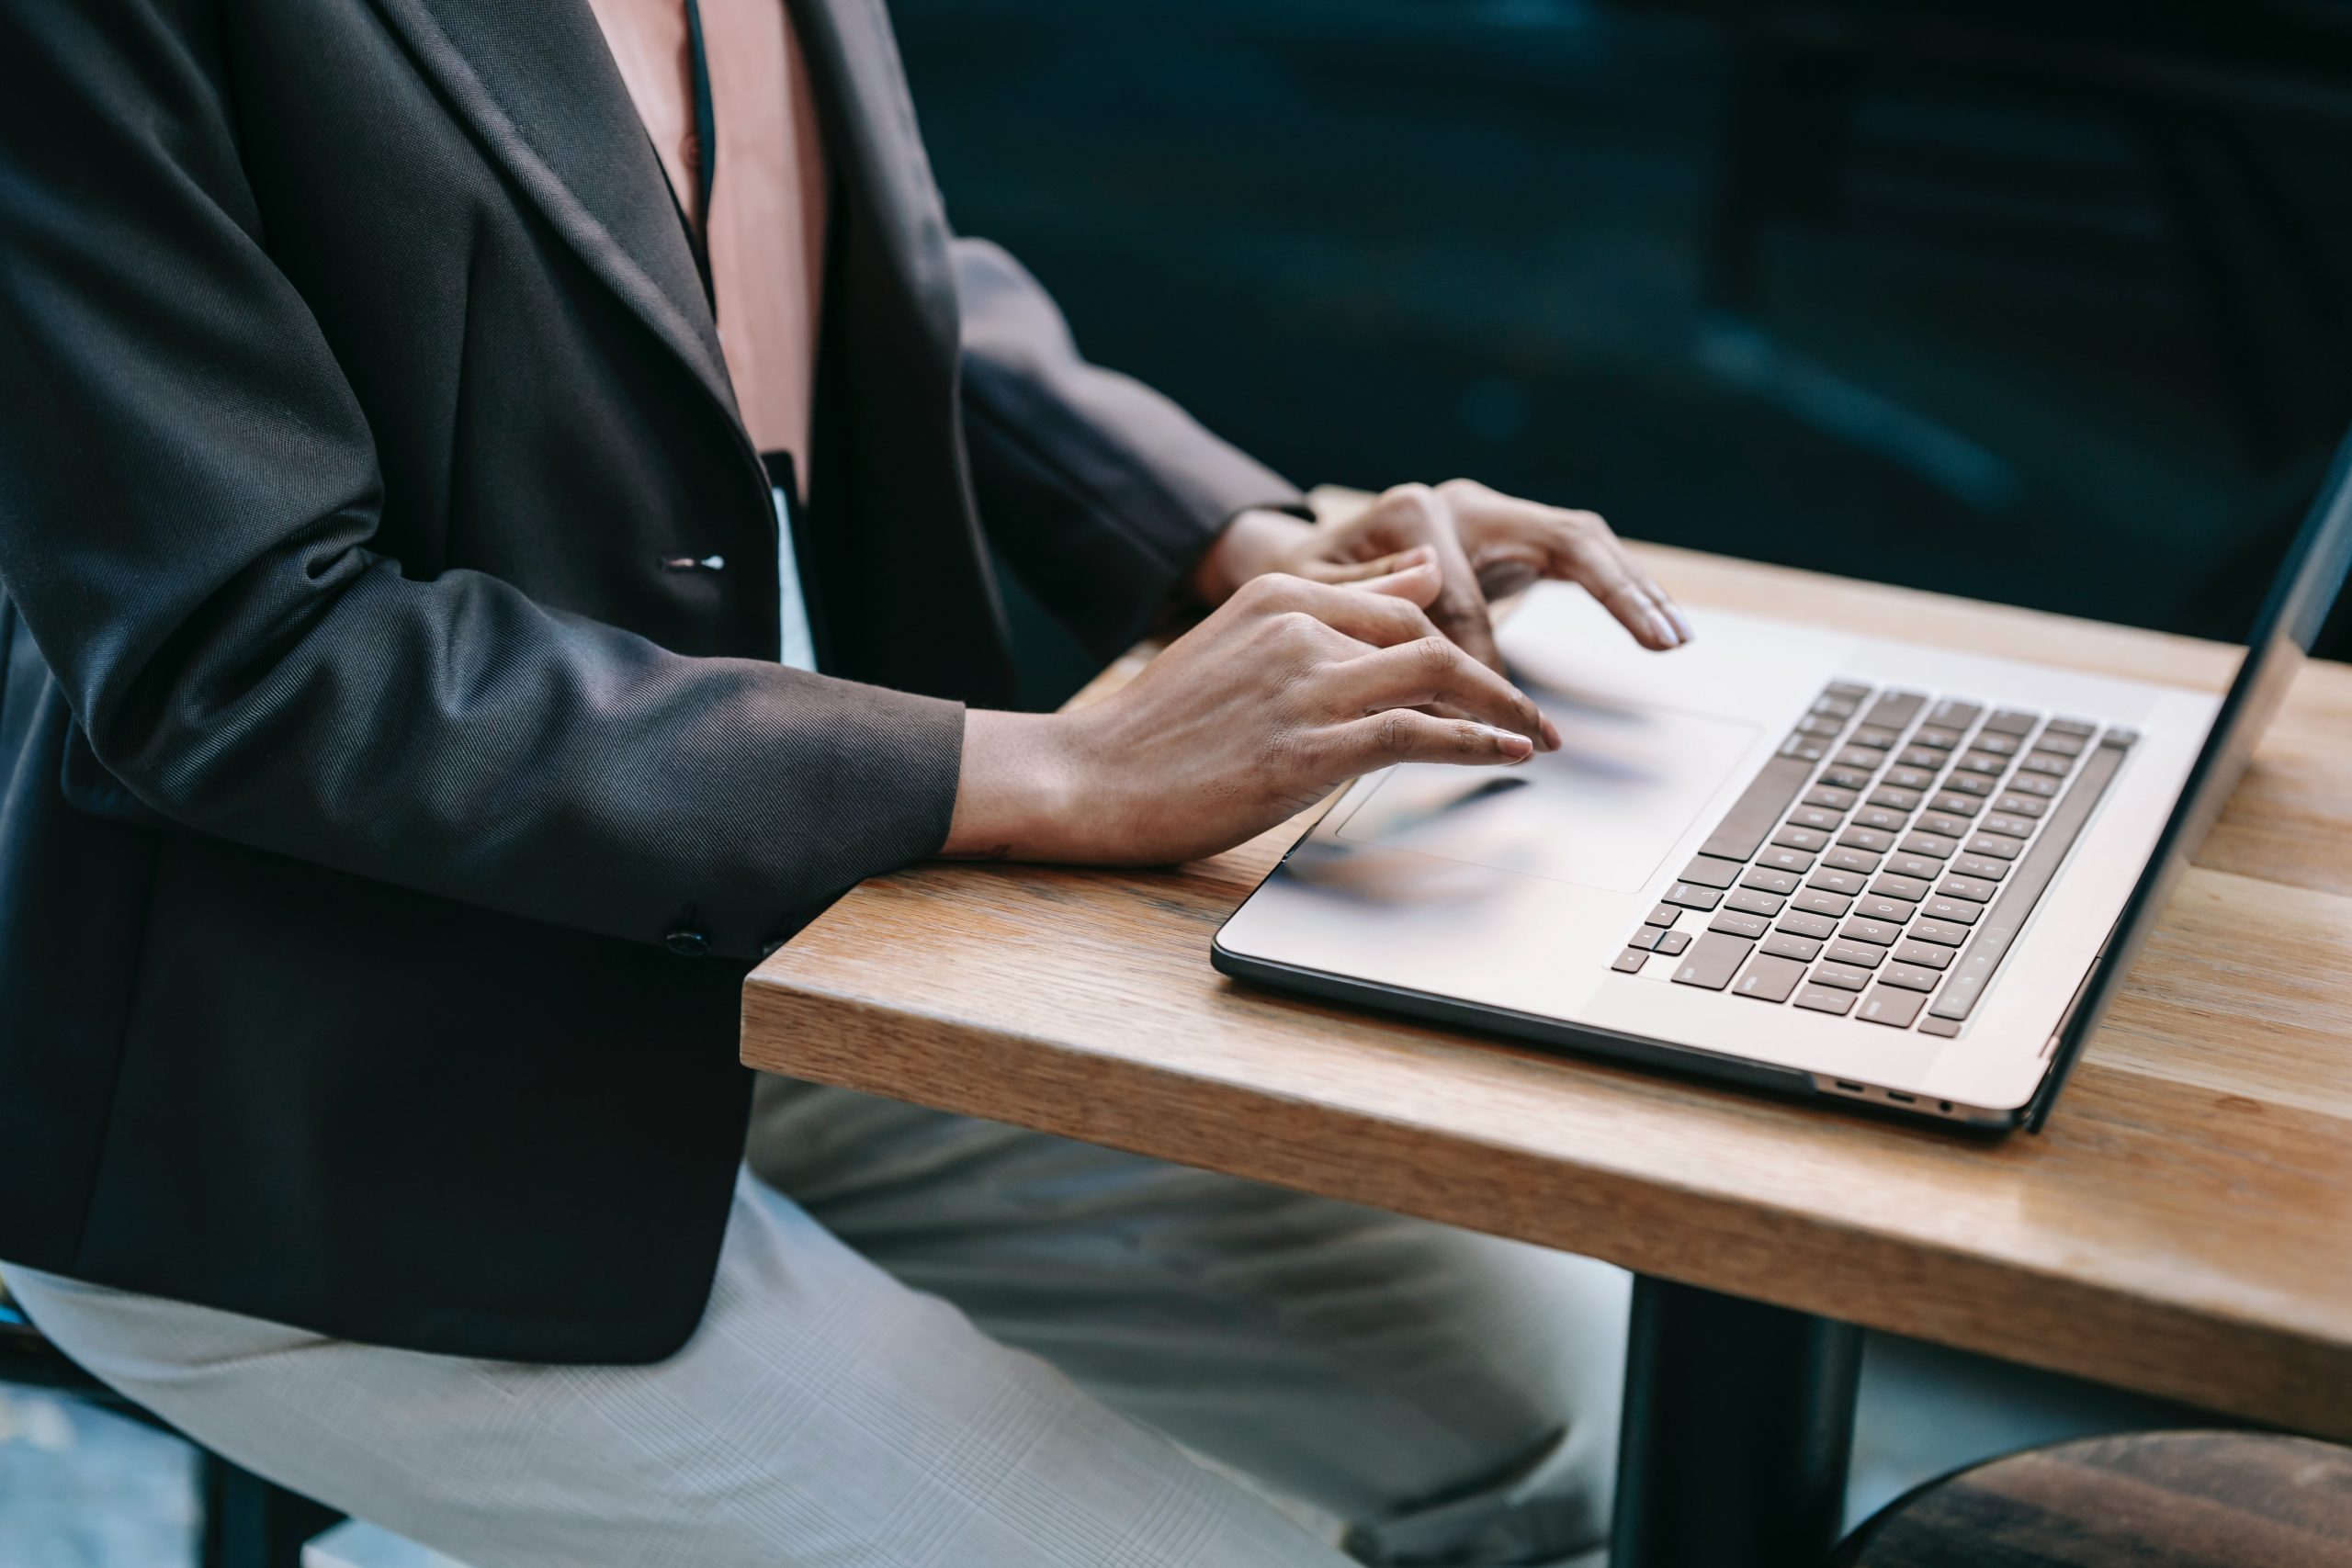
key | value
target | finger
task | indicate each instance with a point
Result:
(1403, 736)
(1432, 671)
(1383, 612)
(1415, 514)
(1574, 546)
(1344, 571)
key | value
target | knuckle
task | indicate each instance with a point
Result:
(1469, 739)
(1413, 503)
(1436, 658)
(1392, 734)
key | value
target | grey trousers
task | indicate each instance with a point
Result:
(950, 1343)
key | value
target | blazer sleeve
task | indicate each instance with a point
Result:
(1098, 491)
(188, 498)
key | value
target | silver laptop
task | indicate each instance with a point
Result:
(1787, 856)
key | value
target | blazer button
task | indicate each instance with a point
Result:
(689, 944)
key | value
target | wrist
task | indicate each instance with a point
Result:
(1256, 542)
(1018, 790)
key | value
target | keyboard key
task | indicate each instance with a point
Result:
(2063, 745)
(1672, 943)
(2010, 827)
(1734, 923)
(1877, 740)
(1943, 934)
(1905, 801)
(1910, 778)
(1845, 977)
(2043, 762)
(2034, 783)
(1768, 979)
(1895, 1008)
(1843, 859)
(1874, 839)
(1788, 944)
(1882, 933)
(1852, 689)
(1953, 714)
(1977, 762)
(1800, 922)
(1993, 845)
(2018, 804)
(1847, 883)
(1765, 879)
(1709, 872)
(1661, 915)
(1860, 954)
(1802, 748)
(1950, 805)
(1882, 818)
(1932, 1025)
(1943, 823)
(1815, 901)
(1998, 745)
(1957, 911)
(1924, 954)
(2073, 727)
(1935, 738)
(1759, 805)
(1975, 889)
(2011, 721)
(1918, 866)
(1862, 758)
(1819, 725)
(1645, 939)
(1895, 710)
(1836, 707)
(1794, 838)
(1816, 816)
(2007, 915)
(1968, 783)
(1981, 866)
(1936, 846)
(1629, 960)
(1830, 798)
(1748, 902)
(1911, 889)
(1779, 859)
(1910, 976)
(1846, 778)
(1879, 907)
(1920, 757)
(1691, 897)
(1821, 998)
(1711, 960)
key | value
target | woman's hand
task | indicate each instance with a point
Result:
(1287, 690)
(1487, 545)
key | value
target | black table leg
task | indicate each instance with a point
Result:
(1739, 1420)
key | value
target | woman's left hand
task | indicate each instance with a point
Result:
(1487, 544)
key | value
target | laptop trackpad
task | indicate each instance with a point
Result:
(1604, 810)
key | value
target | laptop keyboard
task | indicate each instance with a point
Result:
(1881, 863)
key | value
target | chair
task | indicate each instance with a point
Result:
(2146, 1499)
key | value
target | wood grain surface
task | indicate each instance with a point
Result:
(2184, 1227)
(2143, 1500)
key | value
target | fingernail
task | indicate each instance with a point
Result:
(1551, 741)
(1674, 614)
(1517, 748)
(1662, 631)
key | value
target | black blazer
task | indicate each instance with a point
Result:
(384, 830)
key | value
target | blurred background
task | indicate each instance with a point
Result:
(2042, 302)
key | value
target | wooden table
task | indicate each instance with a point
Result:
(2183, 1228)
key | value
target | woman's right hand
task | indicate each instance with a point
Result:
(1287, 690)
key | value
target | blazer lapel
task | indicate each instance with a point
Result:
(539, 85)
(872, 139)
